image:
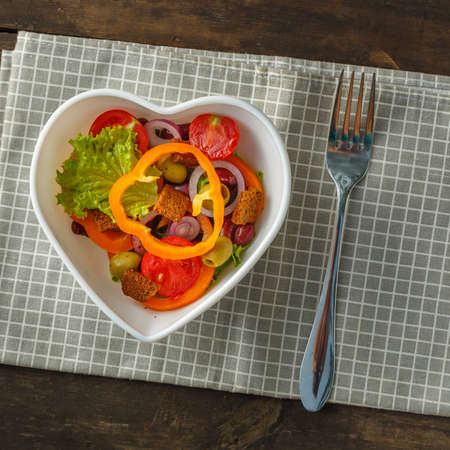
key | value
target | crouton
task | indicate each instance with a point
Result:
(136, 286)
(246, 210)
(172, 204)
(187, 159)
(103, 222)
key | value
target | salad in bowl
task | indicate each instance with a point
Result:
(171, 204)
(112, 154)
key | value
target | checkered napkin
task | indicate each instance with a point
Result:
(393, 302)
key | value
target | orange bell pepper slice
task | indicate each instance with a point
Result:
(191, 295)
(111, 241)
(205, 225)
(250, 177)
(151, 243)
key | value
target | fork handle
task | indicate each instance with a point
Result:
(317, 371)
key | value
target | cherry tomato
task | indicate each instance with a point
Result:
(174, 276)
(120, 117)
(217, 137)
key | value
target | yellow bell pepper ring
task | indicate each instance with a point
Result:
(151, 243)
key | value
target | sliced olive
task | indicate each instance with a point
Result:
(219, 254)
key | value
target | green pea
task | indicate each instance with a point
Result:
(219, 254)
(174, 172)
(122, 261)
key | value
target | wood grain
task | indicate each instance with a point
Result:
(58, 410)
(52, 410)
(414, 33)
(7, 40)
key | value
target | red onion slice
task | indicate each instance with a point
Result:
(137, 244)
(187, 228)
(148, 218)
(184, 188)
(198, 172)
(158, 124)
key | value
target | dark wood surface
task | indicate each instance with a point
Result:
(42, 409)
(65, 411)
(415, 33)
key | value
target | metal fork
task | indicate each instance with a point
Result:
(347, 163)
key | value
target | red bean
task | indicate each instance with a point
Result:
(77, 228)
(165, 134)
(244, 234)
(228, 228)
(184, 131)
(226, 177)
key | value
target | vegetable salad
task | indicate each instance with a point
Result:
(172, 205)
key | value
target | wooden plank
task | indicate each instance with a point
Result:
(7, 40)
(59, 410)
(415, 34)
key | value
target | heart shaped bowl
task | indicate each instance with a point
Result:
(260, 145)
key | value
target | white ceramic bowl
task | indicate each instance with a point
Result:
(260, 145)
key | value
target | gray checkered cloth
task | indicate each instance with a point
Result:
(393, 303)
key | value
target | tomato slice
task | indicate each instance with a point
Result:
(191, 295)
(217, 137)
(174, 276)
(111, 241)
(124, 118)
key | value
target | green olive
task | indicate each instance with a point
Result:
(208, 204)
(122, 261)
(219, 254)
(162, 161)
(174, 172)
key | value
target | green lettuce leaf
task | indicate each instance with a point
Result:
(97, 163)
(202, 182)
(236, 255)
(139, 197)
(219, 270)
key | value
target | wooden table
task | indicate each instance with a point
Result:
(42, 409)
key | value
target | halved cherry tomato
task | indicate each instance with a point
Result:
(174, 276)
(217, 137)
(124, 118)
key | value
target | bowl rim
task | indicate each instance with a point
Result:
(248, 263)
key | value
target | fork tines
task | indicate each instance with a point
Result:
(342, 142)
